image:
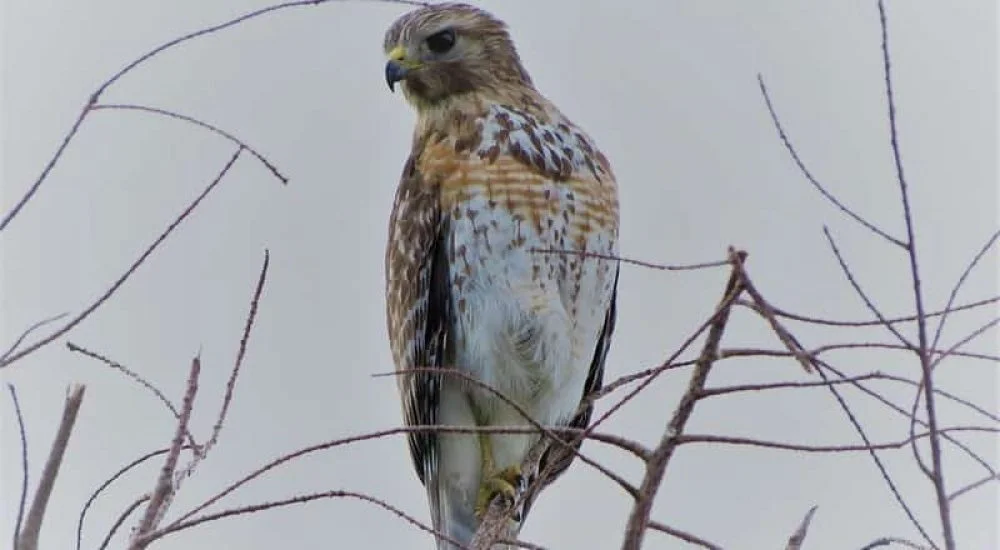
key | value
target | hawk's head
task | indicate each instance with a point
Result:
(443, 50)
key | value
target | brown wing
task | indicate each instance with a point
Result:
(418, 310)
(557, 458)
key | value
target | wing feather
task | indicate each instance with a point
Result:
(418, 308)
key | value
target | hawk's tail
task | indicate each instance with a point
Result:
(455, 517)
(450, 516)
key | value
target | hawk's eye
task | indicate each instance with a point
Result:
(441, 42)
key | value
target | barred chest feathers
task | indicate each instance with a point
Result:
(526, 320)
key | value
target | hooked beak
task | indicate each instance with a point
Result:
(394, 72)
(398, 67)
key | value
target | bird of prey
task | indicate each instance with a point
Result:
(496, 180)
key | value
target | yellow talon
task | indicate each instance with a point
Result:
(503, 483)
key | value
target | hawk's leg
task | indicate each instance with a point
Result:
(495, 482)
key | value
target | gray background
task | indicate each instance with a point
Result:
(668, 90)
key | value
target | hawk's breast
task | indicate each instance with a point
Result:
(523, 201)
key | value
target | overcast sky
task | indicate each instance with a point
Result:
(668, 89)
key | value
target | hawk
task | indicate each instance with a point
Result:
(496, 180)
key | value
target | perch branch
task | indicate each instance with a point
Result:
(656, 466)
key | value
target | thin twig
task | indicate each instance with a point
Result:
(899, 410)
(640, 263)
(886, 541)
(791, 343)
(846, 270)
(876, 322)
(197, 122)
(96, 95)
(134, 376)
(709, 392)
(962, 342)
(28, 538)
(920, 389)
(727, 353)
(883, 471)
(805, 172)
(720, 310)
(787, 446)
(114, 477)
(974, 485)
(958, 285)
(27, 332)
(121, 520)
(240, 353)
(683, 535)
(128, 273)
(947, 395)
(22, 432)
(302, 499)
(626, 379)
(380, 434)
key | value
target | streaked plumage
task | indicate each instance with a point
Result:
(495, 173)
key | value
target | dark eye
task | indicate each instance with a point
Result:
(441, 42)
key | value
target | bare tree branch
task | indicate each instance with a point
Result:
(723, 390)
(886, 541)
(808, 175)
(953, 350)
(134, 376)
(28, 537)
(96, 95)
(974, 485)
(683, 535)
(27, 332)
(240, 354)
(727, 353)
(656, 466)
(114, 477)
(640, 263)
(782, 445)
(121, 520)
(958, 286)
(197, 122)
(23, 499)
(301, 499)
(797, 538)
(883, 471)
(164, 489)
(944, 508)
(846, 270)
(898, 409)
(128, 273)
(892, 321)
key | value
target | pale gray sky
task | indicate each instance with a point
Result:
(667, 88)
